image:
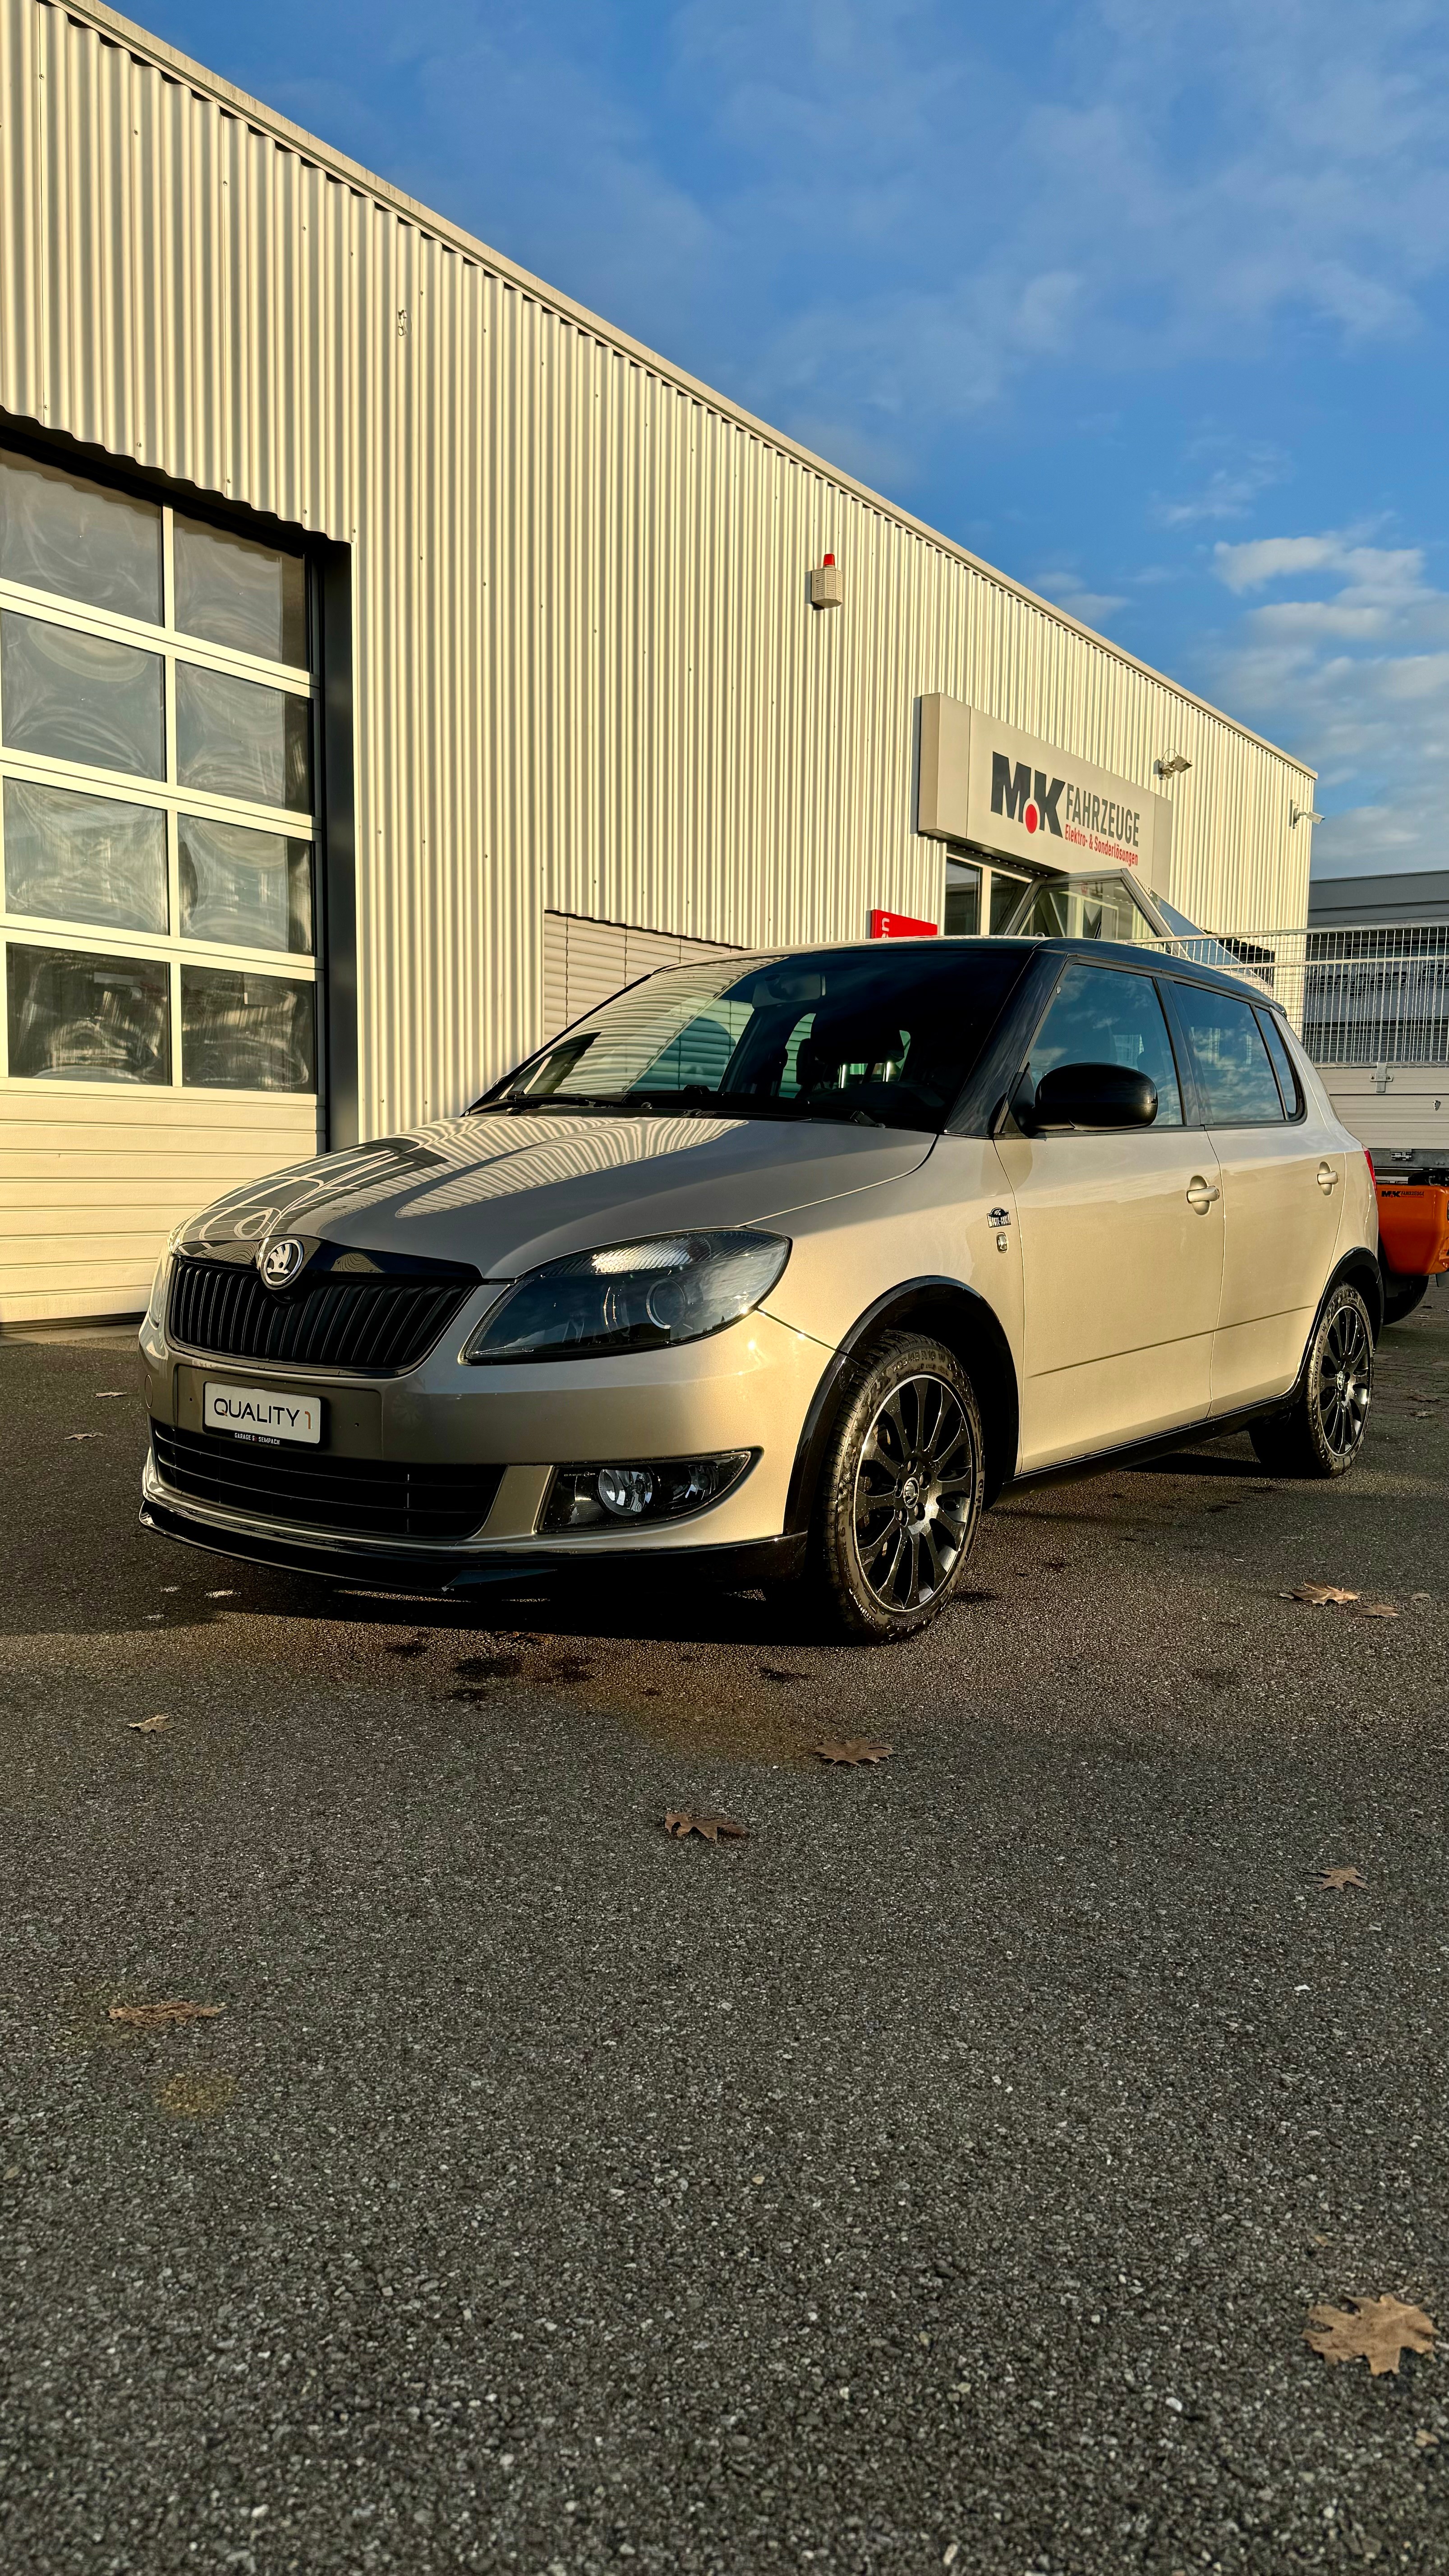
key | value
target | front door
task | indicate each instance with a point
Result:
(1121, 1239)
(1282, 1168)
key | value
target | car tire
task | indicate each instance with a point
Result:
(1402, 1293)
(1321, 1432)
(899, 1500)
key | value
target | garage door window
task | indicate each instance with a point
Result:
(157, 831)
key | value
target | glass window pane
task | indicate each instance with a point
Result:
(84, 858)
(1006, 894)
(235, 738)
(1101, 1015)
(963, 900)
(61, 533)
(75, 697)
(252, 889)
(1283, 1065)
(89, 1019)
(235, 592)
(1089, 908)
(1233, 1071)
(247, 1032)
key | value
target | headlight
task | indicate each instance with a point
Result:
(631, 1297)
(156, 1311)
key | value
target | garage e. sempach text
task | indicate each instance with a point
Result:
(1095, 823)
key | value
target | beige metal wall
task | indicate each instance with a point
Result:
(587, 677)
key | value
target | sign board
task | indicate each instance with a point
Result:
(900, 925)
(1018, 798)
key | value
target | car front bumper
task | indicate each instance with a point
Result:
(748, 1388)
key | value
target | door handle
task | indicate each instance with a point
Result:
(1327, 1179)
(1201, 1194)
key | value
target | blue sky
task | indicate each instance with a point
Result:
(1144, 300)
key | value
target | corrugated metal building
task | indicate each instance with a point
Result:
(394, 657)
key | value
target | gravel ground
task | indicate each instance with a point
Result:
(939, 2177)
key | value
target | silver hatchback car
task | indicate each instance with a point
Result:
(785, 1264)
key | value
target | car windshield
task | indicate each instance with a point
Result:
(883, 1036)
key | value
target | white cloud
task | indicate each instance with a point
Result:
(1230, 490)
(1356, 681)
(1068, 591)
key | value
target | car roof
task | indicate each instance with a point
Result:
(1102, 952)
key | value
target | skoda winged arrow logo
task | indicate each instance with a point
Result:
(280, 1261)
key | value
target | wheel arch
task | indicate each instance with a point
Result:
(1358, 1268)
(952, 1313)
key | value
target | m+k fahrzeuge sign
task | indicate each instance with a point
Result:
(1003, 791)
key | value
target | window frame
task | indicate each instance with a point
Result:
(174, 649)
(1186, 1087)
(1221, 1126)
(1266, 1018)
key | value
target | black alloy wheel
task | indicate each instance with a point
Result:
(900, 1497)
(1321, 1431)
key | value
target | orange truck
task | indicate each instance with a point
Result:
(1413, 1239)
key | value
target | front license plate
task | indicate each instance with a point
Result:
(252, 1413)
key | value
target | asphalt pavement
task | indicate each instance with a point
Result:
(940, 2176)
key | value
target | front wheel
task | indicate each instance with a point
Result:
(1322, 1431)
(900, 1495)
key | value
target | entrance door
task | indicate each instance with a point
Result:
(1121, 1239)
(1283, 1188)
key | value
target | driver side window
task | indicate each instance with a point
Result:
(1105, 1015)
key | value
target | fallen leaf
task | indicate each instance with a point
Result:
(1375, 1610)
(1426, 2441)
(146, 1725)
(156, 2016)
(85, 1435)
(1341, 1878)
(853, 1749)
(680, 1822)
(1320, 1596)
(196, 2095)
(226, 1594)
(1378, 2331)
(104, 1394)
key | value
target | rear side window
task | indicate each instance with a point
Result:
(1236, 1081)
(1102, 1015)
(1283, 1065)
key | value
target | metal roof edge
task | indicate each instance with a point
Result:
(139, 41)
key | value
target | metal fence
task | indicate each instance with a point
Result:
(1372, 995)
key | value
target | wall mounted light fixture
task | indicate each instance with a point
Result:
(1173, 767)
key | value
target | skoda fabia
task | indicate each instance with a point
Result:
(784, 1265)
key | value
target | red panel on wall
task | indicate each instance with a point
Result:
(899, 925)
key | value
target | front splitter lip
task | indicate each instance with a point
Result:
(452, 1569)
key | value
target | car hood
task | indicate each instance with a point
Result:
(504, 1193)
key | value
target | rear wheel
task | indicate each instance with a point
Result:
(1322, 1431)
(1402, 1293)
(900, 1495)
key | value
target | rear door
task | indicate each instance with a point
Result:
(1121, 1238)
(1282, 1170)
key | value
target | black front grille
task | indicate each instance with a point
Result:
(357, 1497)
(374, 1324)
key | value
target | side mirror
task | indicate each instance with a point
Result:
(1094, 1095)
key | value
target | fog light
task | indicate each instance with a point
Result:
(664, 1489)
(628, 1491)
